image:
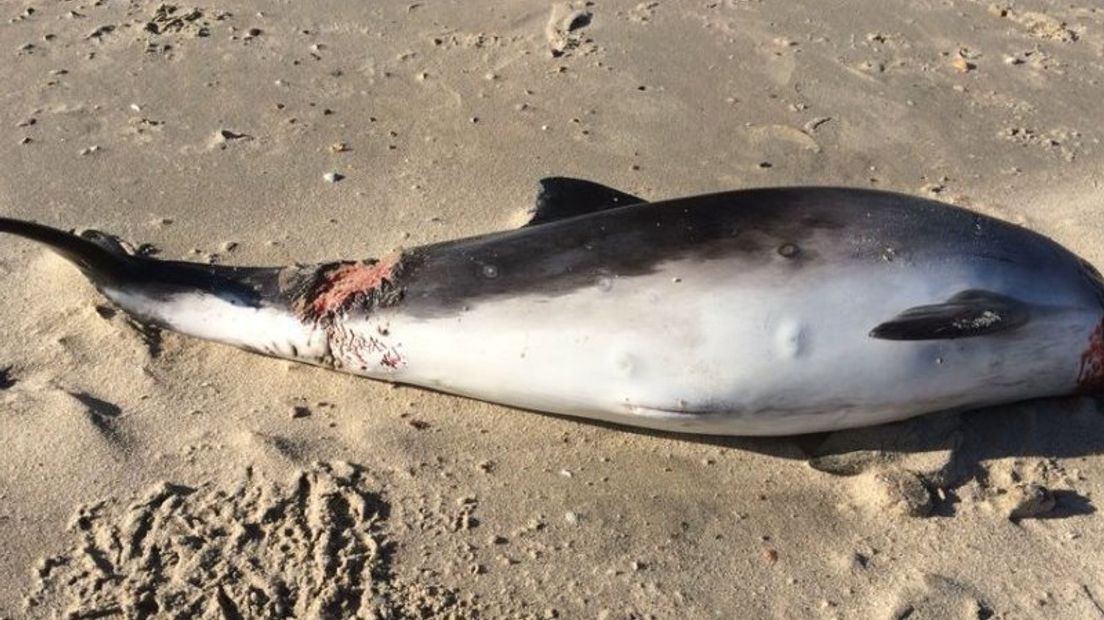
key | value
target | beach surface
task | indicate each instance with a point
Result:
(143, 474)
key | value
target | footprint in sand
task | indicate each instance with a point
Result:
(312, 548)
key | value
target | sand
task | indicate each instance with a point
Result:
(147, 475)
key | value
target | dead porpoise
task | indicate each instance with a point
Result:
(756, 312)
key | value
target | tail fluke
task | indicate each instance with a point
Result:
(101, 261)
(246, 307)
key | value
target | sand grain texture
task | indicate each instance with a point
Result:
(309, 549)
(144, 473)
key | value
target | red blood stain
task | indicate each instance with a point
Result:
(1091, 377)
(348, 281)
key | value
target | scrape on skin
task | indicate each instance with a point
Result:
(324, 294)
(363, 350)
(338, 287)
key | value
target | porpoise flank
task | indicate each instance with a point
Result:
(756, 312)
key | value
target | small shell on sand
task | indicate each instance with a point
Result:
(962, 65)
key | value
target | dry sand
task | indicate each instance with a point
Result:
(149, 474)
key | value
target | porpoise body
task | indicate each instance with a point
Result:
(756, 312)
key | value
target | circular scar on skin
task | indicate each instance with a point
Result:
(790, 339)
(788, 250)
(625, 364)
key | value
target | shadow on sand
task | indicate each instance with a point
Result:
(958, 445)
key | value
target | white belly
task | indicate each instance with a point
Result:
(693, 349)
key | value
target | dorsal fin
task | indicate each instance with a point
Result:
(970, 313)
(559, 198)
